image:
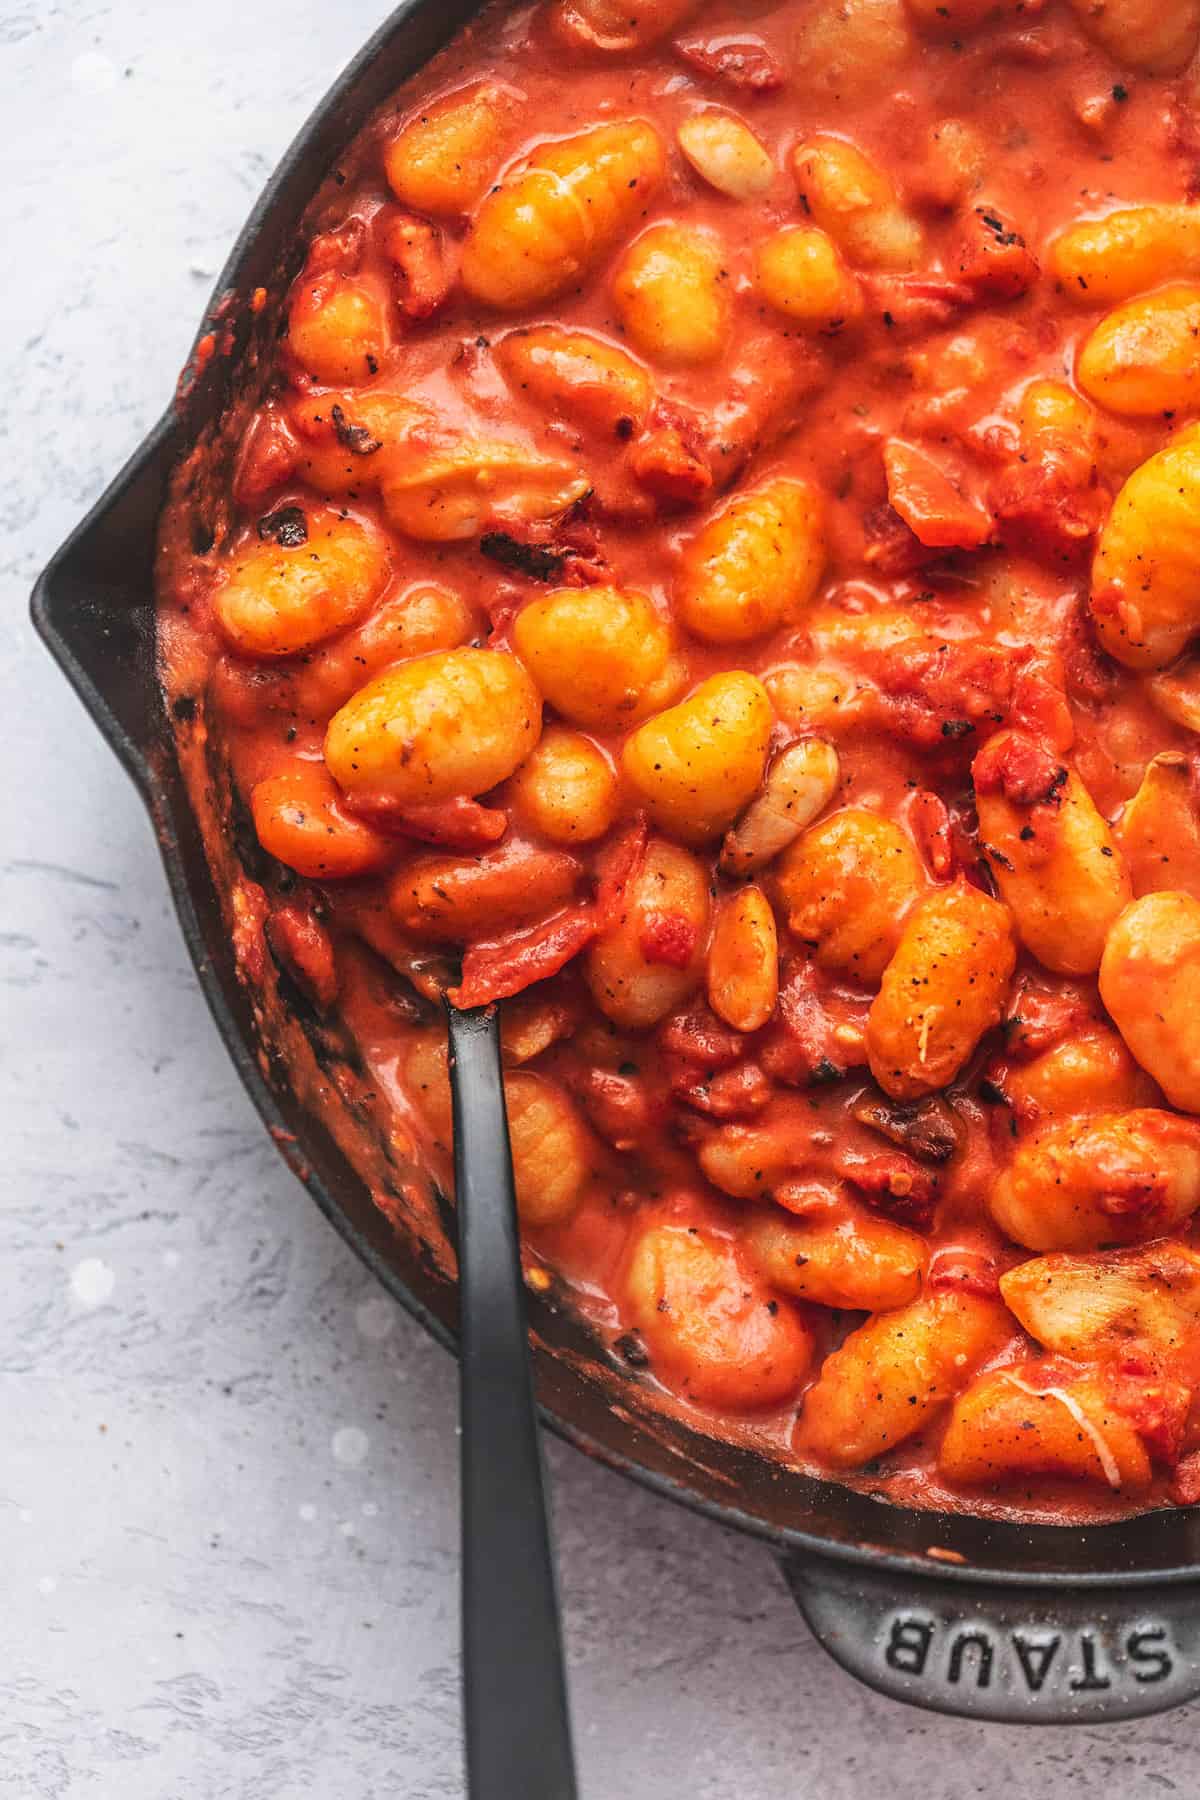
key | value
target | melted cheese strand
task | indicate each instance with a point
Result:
(1107, 1461)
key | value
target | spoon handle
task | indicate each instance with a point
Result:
(517, 1723)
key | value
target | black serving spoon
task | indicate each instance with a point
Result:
(516, 1718)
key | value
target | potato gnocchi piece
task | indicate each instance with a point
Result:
(299, 820)
(725, 152)
(944, 988)
(799, 784)
(550, 221)
(847, 885)
(443, 493)
(581, 376)
(754, 566)
(453, 899)
(695, 766)
(1176, 693)
(799, 271)
(851, 1260)
(711, 1326)
(566, 788)
(672, 294)
(346, 440)
(611, 25)
(1102, 1306)
(1053, 406)
(855, 201)
(1159, 830)
(595, 653)
(336, 328)
(1150, 983)
(1054, 858)
(955, 163)
(1114, 1178)
(1142, 34)
(892, 1375)
(1018, 1422)
(665, 910)
(551, 1151)
(811, 698)
(279, 599)
(853, 49)
(421, 617)
(453, 723)
(1100, 262)
(1089, 1071)
(743, 961)
(1145, 357)
(748, 1162)
(441, 161)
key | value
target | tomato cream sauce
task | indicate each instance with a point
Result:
(953, 603)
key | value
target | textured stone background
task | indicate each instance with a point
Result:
(227, 1473)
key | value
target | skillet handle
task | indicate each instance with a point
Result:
(1019, 1654)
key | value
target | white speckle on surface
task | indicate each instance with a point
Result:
(376, 1317)
(348, 1528)
(350, 1445)
(25, 1516)
(369, 1509)
(93, 73)
(92, 1282)
(307, 1511)
(46, 1584)
(171, 1259)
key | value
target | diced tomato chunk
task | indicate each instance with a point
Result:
(937, 511)
(509, 964)
(302, 945)
(458, 824)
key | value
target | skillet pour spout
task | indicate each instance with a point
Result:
(983, 1618)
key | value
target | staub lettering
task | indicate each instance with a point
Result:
(982, 1656)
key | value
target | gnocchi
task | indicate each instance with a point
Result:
(893, 1374)
(706, 1319)
(666, 906)
(855, 201)
(441, 161)
(1054, 858)
(594, 652)
(1113, 1178)
(1144, 589)
(550, 221)
(943, 988)
(754, 566)
(799, 271)
(566, 788)
(1159, 830)
(453, 723)
(1145, 357)
(671, 292)
(847, 885)
(277, 599)
(695, 766)
(743, 961)
(1150, 983)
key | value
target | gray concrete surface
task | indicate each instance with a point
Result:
(227, 1464)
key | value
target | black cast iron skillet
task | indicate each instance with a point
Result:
(963, 1615)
